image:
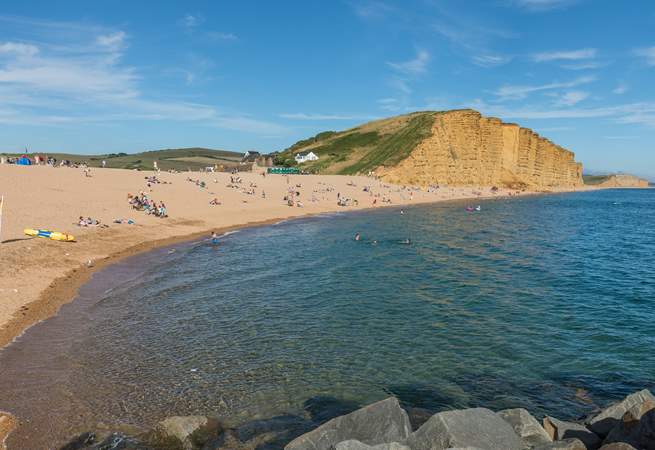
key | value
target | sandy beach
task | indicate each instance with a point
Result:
(40, 274)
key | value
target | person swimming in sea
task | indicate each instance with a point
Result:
(406, 242)
(214, 238)
(357, 236)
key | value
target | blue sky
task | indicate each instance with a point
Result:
(109, 76)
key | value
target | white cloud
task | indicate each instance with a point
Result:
(620, 138)
(18, 49)
(191, 21)
(84, 80)
(566, 55)
(621, 89)
(518, 92)
(415, 66)
(319, 117)
(572, 98)
(648, 54)
(643, 113)
(491, 60)
(113, 41)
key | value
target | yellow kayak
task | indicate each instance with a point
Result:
(54, 235)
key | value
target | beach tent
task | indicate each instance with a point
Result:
(23, 161)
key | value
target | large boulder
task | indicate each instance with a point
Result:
(637, 428)
(476, 427)
(525, 426)
(559, 429)
(356, 445)
(618, 446)
(185, 432)
(379, 423)
(608, 418)
(565, 444)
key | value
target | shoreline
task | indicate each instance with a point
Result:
(63, 289)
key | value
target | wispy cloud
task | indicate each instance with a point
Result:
(18, 49)
(636, 113)
(85, 80)
(518, 92)
(620, 138)
(648, 54)
(325, 117)
(220, 36)
(621, 89)
(543, 5)
(415, 66)
(491, 60)
(191, 21)
(113, 41)
(566, 55)
(371, 9)
(586, 65)
(572, 98)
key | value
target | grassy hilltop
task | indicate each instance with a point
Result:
(178, 159)
(363, 148)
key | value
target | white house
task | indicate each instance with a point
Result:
(305, 156)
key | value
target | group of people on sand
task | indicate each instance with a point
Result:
(89, 222)
(142, 202)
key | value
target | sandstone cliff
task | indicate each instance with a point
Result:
(466, 148)
(623, 180)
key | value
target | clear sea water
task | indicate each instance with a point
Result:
(545, 302)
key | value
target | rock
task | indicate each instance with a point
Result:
(566, 444)
(119, 441)
(381, 422)
(476, 427)
(185, 432)
(559, 430)
(602, 423)
(356, 445)
(525, 426)
(80, 442)
(618, 446)
(418, 416)
(637, 428)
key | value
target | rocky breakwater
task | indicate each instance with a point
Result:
(385, 425)
(466, 148)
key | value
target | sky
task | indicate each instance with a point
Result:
(125, 76)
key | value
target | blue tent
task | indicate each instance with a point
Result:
(23, 161)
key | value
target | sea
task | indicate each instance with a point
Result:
(544, 302)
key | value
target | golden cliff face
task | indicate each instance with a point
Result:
(624, 180)
(468, 149)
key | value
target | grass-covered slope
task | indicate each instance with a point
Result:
(362, 149)
(178, 159)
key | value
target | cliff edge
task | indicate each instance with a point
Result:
(455, 148)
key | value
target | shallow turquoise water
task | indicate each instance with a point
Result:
(546, 303)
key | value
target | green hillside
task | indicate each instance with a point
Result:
(595, 179)
(178, 159)
(364, 148)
